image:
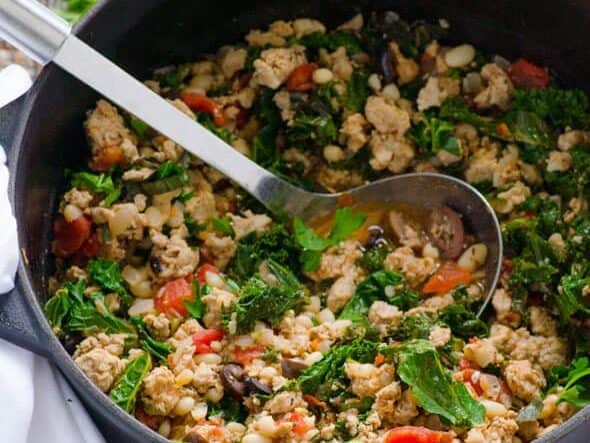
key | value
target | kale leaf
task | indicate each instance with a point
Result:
(107, 274)
(414, 326)
(576, 381)
(98, 183)
(463, 321)
(223, 133)
(70, 310)
(277, 243)
(124, 393)
(158, 349)
(434, 135)
(433, 387)
(332, 41)
(382, 285)
(168, 177)
(261, 301)
(74, 10)
(346, 222)
(374, 257)
(559, 107)
(326, 379)
(357, 91)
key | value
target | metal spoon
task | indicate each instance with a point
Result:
(45, 37)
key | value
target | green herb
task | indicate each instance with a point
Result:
(69, 310)
(74, 10)
(223, 133)
(107, 274)
(457, 110)
(277, 243)
(196, 307)
(357, 91)
(140, 127)
(373, 258)
(223, 226)
(528, 129)
(345, 223)
(185, 196)
(271, 355)
(570, 298)
(463, 321)
(577, 383)
(433, 387)
(158, 349)
(325, 379)
(332, 41)
(229, 408)
(312, 131)
(374, 288)
(168, 177)
(434, 135)
(260, 301)
(99, 183)
(173, 77)
(559, 107)
(124, 393)
(414, 326)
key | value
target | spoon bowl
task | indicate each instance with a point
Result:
(423, 190)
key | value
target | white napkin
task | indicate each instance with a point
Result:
(36, 403)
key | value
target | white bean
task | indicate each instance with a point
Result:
(333, 153)
(322, 76)
(460, 55)
(141, 306)
(493, 409)
(473, 257)
(164, 428)
(391, 92)
(266, 426)
(326, 316)
(255, 438)
(184, 406)
(374, 82)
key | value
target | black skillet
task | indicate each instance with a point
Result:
(44, 135)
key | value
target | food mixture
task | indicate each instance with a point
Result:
(212, 321)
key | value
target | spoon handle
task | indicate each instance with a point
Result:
(36, 30)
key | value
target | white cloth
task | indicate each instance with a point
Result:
(36, 403)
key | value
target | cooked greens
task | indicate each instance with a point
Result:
(99, 183)
(419, 366)
(124, 393)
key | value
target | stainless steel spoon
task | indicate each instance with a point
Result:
(44, 36)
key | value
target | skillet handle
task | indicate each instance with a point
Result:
(18, 325)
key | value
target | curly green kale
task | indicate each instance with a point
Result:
(261, 301)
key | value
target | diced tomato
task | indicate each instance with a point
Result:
(244, 356)
(301, 79)
(107, 157)
(199, 102)
(171, 297)
(203, 339)
(68, 237)
(527, 75)
(417, 434)
(471, 377)
(300, 426)
(379, 359)
(502, 130)
(204, 270)
(91, 246)
(447, 278)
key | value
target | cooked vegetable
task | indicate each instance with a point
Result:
(448, 276)
(419, 366)
(259, 300)
(525, 74)
(124, 393)
(74, 10)
(107, 274)
(575, 380)
(384, 285)
(357, 91)
(325, 378)
(98, 183)
(345, 223)
(301, 79)
(70, 310)
(203, 339)
(434, 135)
(415, 434)
(201, 103)
(69, 237)
(332, 41)
(171, 297)
(168, 177)
(158, 349)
